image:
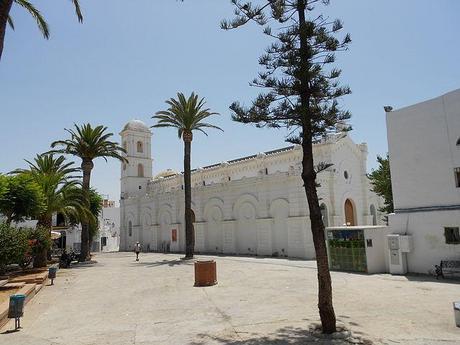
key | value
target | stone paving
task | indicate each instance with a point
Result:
(258, 301)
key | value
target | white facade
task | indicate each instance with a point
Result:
(424, 149)
(106, 240)
(252, 205)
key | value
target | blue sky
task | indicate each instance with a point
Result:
(124, 61)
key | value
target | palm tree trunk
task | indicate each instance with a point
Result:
(326, 309)
(40, 260)
(189, 233)
(9, 218)
(5, 7)
(87, 166)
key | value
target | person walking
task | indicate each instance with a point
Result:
(137, 249)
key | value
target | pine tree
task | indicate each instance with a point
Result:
(380, 179)
(301, 92)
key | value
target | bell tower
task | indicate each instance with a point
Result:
(136, 139)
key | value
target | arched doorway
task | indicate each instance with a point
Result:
(324, 214)
(213, 237)
(349, 213)
(279, 211)
(373, 214)
(246, 240)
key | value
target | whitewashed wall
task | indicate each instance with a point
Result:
(254, 206)
(422, 141)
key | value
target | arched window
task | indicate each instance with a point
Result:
(324, 215)
(140, 147)
(458, 142)
(373, 214)
(130, 228)
(125, 146)
(140, 170)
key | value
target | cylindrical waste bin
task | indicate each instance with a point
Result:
(16, 308)
(457, 313)
(205, 273)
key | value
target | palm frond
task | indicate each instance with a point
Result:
(78, 10)
(185, 114)
(10, 22)
(88, 142)
(41, 23)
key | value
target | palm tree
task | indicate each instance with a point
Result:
(5, 18)
(94, 209)
(61, 190)
(186, 115)
(88, 143)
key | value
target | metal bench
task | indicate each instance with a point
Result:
(447, 267)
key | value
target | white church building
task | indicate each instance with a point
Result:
(253, 205)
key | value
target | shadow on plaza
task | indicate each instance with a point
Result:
(426, 278)
(282, 336)
(171, 263)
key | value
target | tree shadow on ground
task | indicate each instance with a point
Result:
(82, 265)
(171, 263)
(426, 278)
(282, 336)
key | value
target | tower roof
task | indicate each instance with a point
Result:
(136, 125)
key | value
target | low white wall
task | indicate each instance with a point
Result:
(376, 254)
(429, 244)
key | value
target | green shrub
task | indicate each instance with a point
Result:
(13, 245)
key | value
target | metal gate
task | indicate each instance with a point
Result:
(347, 251)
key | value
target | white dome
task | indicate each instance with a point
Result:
(136, 125)
(165, 173)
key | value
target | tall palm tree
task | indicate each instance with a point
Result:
(88, 143)
(61, 190)
(186, 115)
(5, 18)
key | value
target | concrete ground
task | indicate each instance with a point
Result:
(257, 301)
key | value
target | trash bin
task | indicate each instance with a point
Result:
(205, 273)
(16, 309)
(457, 313)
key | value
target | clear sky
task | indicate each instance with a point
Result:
(124, 61)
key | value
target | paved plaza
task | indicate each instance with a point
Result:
(257, 301)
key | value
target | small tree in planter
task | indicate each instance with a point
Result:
(13, 246)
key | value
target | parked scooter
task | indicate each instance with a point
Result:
(66, 259)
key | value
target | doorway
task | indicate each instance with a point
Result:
(349, 213)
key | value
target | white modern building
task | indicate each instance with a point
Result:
(106, 240)
(424, 149)
(252, 205)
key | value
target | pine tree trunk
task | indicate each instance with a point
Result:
(87, 166)
(189, 233)
(326, 309)
(5, 7)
